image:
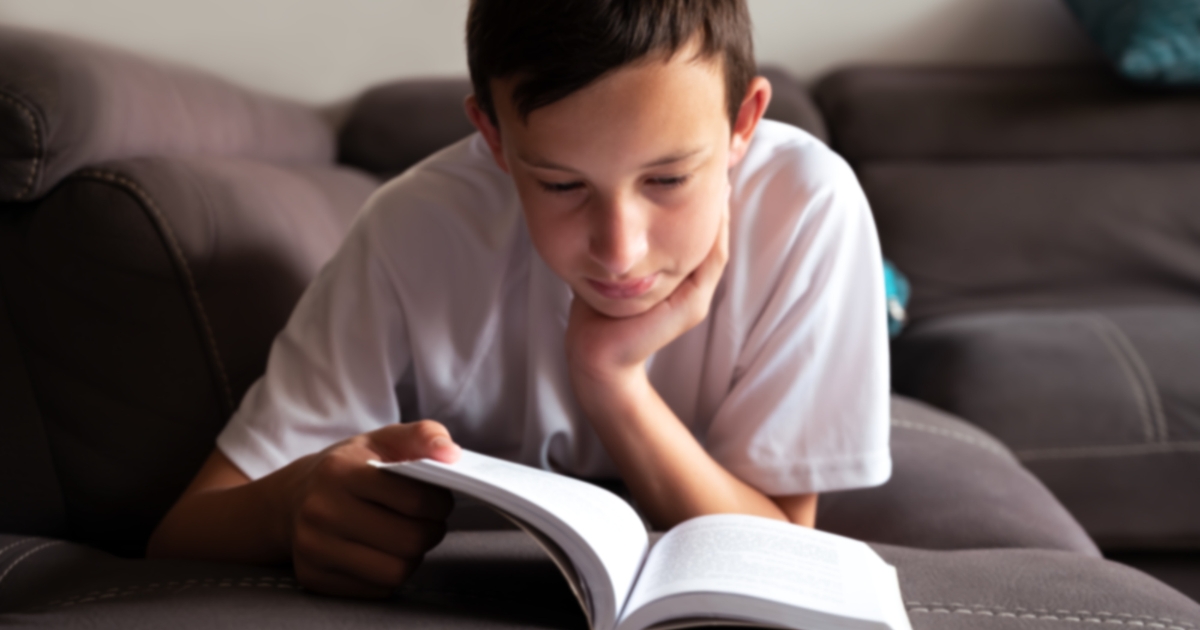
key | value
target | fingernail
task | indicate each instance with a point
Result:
(439, 443)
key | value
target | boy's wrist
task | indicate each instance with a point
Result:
(611, 393)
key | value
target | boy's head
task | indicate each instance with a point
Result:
(553, 48)
(618, 121)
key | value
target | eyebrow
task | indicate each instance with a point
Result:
(662, 161)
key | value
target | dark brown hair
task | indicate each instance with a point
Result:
(557, 47)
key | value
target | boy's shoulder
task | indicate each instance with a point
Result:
(790, 181)
(785, 156)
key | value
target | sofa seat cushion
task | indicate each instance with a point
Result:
(1103, 405)
(65, 104)
(953, 486)
(145, 295)
(502, 579)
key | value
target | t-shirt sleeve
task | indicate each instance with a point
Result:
(808, 407)
(333, 370)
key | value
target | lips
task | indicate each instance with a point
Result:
(624, 290)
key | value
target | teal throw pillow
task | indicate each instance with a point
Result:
(1149, 41)
(897, 289)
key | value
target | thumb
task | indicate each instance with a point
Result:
(414, 440)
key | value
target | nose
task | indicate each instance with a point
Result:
(618, 240)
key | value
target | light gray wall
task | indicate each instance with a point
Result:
(325, 50)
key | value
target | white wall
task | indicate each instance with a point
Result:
(326, 50)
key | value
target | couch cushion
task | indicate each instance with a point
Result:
(1103, 405)
(145, 295)
(1004, 113)
(983, 235)
(66, 104)
(395, 125)
(953, 486)
(503, 580)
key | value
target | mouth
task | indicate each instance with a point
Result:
(626, 290)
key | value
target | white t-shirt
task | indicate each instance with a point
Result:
(437, 306)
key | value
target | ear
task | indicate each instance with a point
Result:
(488, 129)
(758, 96)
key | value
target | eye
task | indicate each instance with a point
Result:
(668, 182)
(560, 187)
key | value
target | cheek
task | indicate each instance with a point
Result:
(687, 233)
(555, 236)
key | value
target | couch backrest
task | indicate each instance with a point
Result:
(1025, 188)
(395, 125)
(156, 227)
(66, 103)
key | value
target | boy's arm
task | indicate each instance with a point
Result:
(348, 528)
(669, 473)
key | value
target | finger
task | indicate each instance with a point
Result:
(710, 269)
(692, 297)
(408, 497)
(414, 440)
(321, 559)
(375, 526)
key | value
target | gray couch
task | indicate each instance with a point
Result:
(1048, 219)
(156, 227)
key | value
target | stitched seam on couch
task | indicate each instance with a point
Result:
(954, 435)
(175, 587)
(1126, 355)
(1119, 450)
(34, 131)
(10, 545)
(25, 555)
(210, 340)
(1060, 614)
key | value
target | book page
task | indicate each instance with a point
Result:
(597, 530)
(761, 570)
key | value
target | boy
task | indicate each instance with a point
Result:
(624, 272)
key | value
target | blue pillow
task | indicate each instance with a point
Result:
(1149, 41)
(897, 289)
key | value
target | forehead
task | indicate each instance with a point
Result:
(654, 106)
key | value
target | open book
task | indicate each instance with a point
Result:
(712, 570)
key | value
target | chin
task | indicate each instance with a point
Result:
(620, 309)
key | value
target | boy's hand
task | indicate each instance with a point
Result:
(358, 531)
(603, 351)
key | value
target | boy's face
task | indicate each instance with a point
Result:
(625, 182)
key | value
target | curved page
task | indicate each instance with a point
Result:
(757, 570)
(603, 537)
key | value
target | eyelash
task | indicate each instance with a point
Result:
(665, 182)
(560, 188)
(670, 182)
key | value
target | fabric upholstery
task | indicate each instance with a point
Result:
(65, 104)
(976, 235)
(395, 125)
(503, 580)
(1003, 114)
(145, 294)
(1102, 404)
(953, 486)
(1179, 570)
